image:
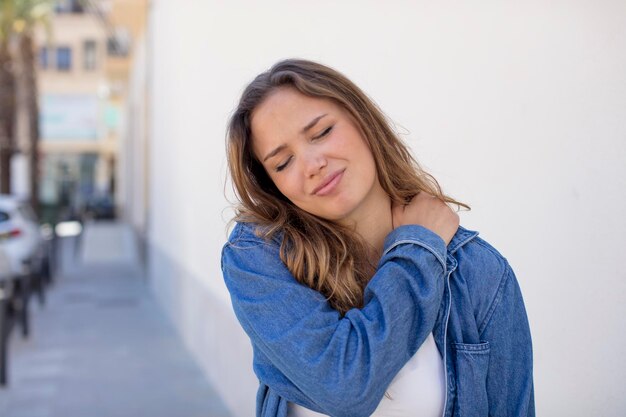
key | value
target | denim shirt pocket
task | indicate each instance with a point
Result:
(472, 364)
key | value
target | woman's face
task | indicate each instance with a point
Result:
(316, 155)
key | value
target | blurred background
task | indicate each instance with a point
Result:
(112, 133)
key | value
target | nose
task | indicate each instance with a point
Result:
(314, 162)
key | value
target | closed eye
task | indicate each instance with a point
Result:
(283, 165)
(324, 133)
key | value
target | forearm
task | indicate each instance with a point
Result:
(345, 363)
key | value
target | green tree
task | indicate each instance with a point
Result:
(29, 15)
(18, 21)
(7, 94)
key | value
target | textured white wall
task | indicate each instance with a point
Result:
(518, 109)
(131, 190)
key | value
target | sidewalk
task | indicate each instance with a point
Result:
(100, 346)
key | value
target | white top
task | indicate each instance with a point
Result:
(418, 390)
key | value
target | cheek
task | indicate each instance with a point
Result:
(361, 152)
(343, 144)
(353, 141)
(287, 185)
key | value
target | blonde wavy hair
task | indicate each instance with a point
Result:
(320, 253)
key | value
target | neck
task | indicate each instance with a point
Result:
(374, 222)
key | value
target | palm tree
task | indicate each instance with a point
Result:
(7, 94)
(29, 15)
(18, 20)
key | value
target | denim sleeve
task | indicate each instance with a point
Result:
(342, 364)
(507, 330)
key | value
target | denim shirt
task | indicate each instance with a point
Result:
(307, 353)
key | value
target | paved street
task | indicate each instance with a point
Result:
(101, 346)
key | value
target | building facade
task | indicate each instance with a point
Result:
(84, 63)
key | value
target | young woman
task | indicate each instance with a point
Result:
(360, 293)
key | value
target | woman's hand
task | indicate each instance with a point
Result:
(428, 211)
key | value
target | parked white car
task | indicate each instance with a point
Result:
(20, 236)
(6, 271)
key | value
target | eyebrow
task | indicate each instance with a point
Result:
(312, 123)
(306, 128)
(274, 152)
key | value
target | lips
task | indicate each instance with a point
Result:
(329, 183)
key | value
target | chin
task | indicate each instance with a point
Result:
(339, 217)
(337, 212)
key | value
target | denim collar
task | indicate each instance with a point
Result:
(461, 237)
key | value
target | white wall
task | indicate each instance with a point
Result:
(518, 109)
(132, 166)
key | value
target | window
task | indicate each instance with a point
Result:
(114, 48)
(64, 58)
(68, 6)
(89, 55)
(43, 57)
(118, 45)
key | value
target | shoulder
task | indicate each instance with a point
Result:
(248, 254)
(246, 235)
(484, 271)
(246, 243)
(479, 255)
